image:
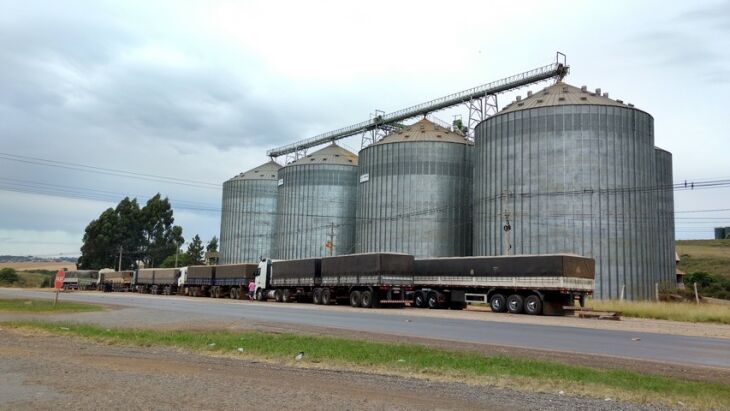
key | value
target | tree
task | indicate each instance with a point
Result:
(8, 276)
(162, 238)
(195, 251)
(146, 234)
(212, 245)
(100, 241)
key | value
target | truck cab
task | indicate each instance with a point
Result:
(183, 279)
(262, 279)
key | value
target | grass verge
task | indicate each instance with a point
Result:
(44, 306)
(416, 361)
(688, 312)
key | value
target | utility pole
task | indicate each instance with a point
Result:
(332, 239)
(177, 251)
(506, 227)
(120, 259)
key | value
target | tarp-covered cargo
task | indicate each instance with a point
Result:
(556, 265)
(157, 276)
(115, 277)
(200, 271)
(368, 269)
(236, 271)
(304, 272)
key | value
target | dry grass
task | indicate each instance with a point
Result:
(30, 266)
(688, 312)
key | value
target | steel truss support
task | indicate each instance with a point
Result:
(295, 155)
(479, 110)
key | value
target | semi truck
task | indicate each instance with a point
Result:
(227, 280)
(80, 280)
(530, 284)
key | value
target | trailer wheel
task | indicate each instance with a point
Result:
(515, 304)
(355, 298)
(233, 293)
(498, 303)
(278, 296)
(317, 296)
(285, 295)
(433, 300)
(419, 299)
(326, 296)
(533, 305)
(366, 299)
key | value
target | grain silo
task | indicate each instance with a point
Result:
(570, 170)
(665, 218)
(414, 193)
(316, 204)
(248, 218)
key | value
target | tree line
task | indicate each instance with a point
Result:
(146, 234)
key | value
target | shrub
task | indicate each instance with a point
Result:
(8, 276)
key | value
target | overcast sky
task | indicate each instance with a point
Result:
(199, 90)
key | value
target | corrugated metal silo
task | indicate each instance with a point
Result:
(576, 172)
(414, 194)
(665, 218)
(317, 196)
(248, 219)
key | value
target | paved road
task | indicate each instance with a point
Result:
(653, 347)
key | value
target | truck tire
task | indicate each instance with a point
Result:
(366, 299)
(259, 295)
(419, 299)
(285, 295)
(515, 304)
(533, 305)
(317, 296)
(278, 296)
(327, 296)
(355, 298)
(433, 300)
(498, 303)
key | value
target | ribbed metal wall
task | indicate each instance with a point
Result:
(313, 197)
(582, 180)
(665, 220)
(248, 220)
(417, 199)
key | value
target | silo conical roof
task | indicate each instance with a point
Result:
(332, 154)
(424, 130)
(266, 171)
(560, 94)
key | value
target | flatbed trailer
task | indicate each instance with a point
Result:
(531, 284)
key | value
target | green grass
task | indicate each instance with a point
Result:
(416, 360)
(44, 306)
(688, 312)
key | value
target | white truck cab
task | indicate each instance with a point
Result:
(183, 279)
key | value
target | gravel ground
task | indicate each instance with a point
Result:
(47, 372)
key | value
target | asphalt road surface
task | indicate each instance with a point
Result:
(665, 348)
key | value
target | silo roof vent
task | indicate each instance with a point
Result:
(519, 98)
(529, 93)
(560, 94)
